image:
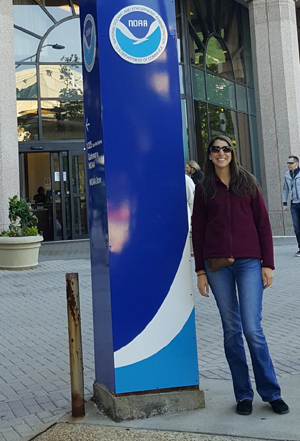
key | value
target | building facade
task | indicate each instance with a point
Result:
(239, 76)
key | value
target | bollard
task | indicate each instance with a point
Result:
(75, 345)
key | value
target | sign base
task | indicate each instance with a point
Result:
(144, 405)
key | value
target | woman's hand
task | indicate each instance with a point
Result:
(267, 277)
(202, 284)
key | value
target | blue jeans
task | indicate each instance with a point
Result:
(295, 212)
(238, 291)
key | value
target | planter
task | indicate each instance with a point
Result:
(19, 253)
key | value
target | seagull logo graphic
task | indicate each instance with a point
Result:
(138, 36)
(89, 42)
(126, 32)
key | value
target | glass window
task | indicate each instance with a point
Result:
(80, 216)
(78, 171)
(27, 120)
(61, 81)
(29, 15)
(244, 144)
(222, 122)
(198, 84)
(59, 9)
(185, 130)
(201, 131)
(181, 79)
(238, 66)
(76, 7)
(251, 101)
(68, 35)
(26, 46)
(220, 91)
(241, 98)
(218, 59)
(26, 85)
(196, 36)
(247, 48)
(178, 31)
(254, 145)
(62, 119)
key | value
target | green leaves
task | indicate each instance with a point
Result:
(22, 220)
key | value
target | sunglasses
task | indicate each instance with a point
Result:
(216, 149)
(290, 163)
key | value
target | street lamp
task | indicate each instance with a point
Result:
(54, 46)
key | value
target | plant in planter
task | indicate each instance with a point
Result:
(19, 245)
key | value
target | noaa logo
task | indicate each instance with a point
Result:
(138, 34)
(89, 42)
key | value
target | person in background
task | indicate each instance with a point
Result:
(291, 187)
(40, 197)
(233, 248)
(193, 170)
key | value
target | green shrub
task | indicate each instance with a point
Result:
(22, 220)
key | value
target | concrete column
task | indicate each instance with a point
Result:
(9, 165)
(277, 76)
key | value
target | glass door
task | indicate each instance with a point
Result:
(54, 183)
(78, 195)
(61, 196)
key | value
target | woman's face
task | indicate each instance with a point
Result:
(188, 169)
(220, 154)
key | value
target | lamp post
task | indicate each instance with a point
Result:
(54, 46)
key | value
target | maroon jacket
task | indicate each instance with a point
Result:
(231, 226)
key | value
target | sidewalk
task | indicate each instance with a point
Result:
(34, 359)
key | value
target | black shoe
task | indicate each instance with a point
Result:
(244, 407)
(297, 254)
(279, 406)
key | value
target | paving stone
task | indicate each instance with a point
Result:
(34, 336)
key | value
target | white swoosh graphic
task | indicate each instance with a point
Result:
(129, 35)
(169, 320)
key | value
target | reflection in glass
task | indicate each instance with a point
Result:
(26, 85)
(201, 131)
(196, 37)
(185, 130)
(62, 119)
(29, 15)
(251, 101)
(222, 122)
(220, 91)
(247, 48)
(244, 144)
(26, 46)
(198, 84)
(78, 170)
(57, 222)
(80, 215)
(241, 96)
(59, 9)
(66, 189)
(76, 7)
(68, 35)
(254, 149)
(27, 120)
(181, 79)
(217, 58)
(61, 81)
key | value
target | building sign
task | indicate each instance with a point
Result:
(138, 34)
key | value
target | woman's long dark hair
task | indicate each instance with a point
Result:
(241, 183)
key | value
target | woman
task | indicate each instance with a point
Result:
(193, 170)
(231, 230)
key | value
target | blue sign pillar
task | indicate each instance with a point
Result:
(144, 322)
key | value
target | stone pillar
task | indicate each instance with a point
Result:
(277, 75)
(9, 164)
